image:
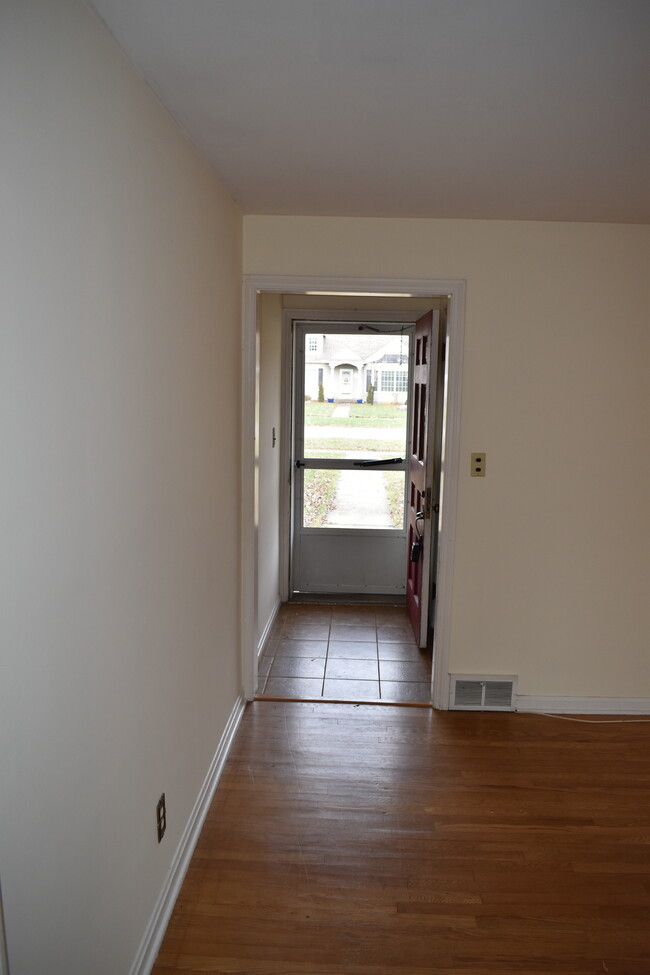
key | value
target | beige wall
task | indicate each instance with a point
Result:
(552, 556)
(120, 282)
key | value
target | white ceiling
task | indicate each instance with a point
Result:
(506, 109)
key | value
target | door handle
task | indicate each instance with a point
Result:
(377, 463)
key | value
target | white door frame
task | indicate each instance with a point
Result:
(454, 290)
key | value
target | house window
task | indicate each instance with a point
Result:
(320, 377)
(393, 381)
(312, 343)
(401, 382)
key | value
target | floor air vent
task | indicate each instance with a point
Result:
(483, 693)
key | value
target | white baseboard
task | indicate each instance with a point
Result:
(584, 705)
(4, 959)
(150, 945)
(267, 629)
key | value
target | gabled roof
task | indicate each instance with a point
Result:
(360, 349)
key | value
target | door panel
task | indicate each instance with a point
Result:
(335, 562)
(421, 476)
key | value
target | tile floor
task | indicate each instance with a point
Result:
(344, 653)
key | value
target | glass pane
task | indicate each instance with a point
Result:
(356, 389)
(354, 499)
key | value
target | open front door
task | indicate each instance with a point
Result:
(421, 476)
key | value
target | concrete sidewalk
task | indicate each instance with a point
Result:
(360, 502)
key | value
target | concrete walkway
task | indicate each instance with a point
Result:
(360, 501)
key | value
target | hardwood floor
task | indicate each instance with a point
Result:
(357, 840)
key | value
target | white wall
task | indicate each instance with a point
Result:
(553, 546)
(120, 282)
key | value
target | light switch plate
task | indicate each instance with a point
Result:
(478, 465)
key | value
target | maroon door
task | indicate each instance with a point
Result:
(420, 479)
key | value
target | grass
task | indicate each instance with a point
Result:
(319, 495)
(394, 483)
(338, 447)
(361, 415)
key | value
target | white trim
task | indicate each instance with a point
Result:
(449, 468)
(583, 705)
(150, 945)
(286, 439)
(249, 463)
(427, 288)
(267, 629)
(4, 957)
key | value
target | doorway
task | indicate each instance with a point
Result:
(256, 559)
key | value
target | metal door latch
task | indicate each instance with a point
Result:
(416, 550)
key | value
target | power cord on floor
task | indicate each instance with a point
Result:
(568, 717)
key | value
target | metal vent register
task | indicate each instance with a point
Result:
(483, 693)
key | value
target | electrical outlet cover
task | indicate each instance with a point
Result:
(478, 465)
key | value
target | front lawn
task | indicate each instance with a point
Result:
(319, 496)
(361, 415)
(340, 446)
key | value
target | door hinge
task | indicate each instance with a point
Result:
(427, 503)
(444, 351)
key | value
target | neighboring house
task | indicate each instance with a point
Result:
(347, 365)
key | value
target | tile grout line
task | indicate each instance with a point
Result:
(327, 656)
(342, 681)
(378, 668)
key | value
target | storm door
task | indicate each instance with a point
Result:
(351, 414)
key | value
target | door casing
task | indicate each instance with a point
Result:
(454, 290)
